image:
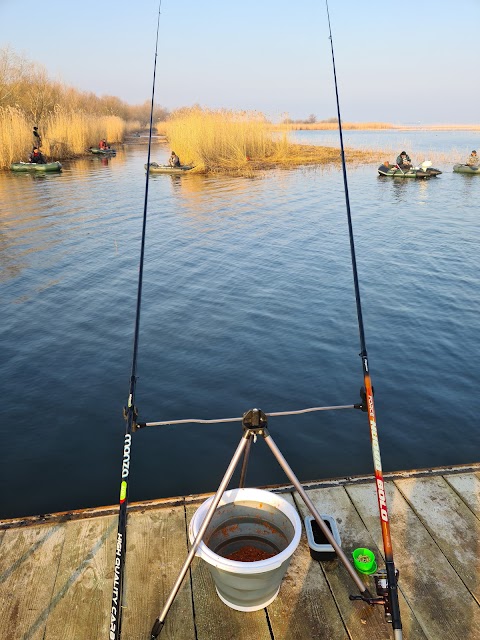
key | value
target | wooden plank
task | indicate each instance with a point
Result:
(29, 561)
(80, 604)
(363, 621)
(468, 488)
(450, 522)
(304, 607)
(213, 618)
(156, 551)
(442, 604)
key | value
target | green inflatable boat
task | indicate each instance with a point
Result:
(425, 170)
(165, 168)
(103, 152)
(466, 168)
(32, 166)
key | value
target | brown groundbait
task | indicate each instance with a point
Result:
(249, 554)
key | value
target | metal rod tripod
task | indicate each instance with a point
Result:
(254, 424)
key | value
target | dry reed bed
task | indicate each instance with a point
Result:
(295, 155)
(65, 134)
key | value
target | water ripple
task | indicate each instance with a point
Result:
(248, 301)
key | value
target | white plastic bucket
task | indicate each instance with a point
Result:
(248, 517)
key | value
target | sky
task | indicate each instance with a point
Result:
(408, 61)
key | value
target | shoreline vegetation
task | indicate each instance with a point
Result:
(69, 121)
(214, 141)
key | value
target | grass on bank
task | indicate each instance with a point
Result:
(65, 134)
(218, 141)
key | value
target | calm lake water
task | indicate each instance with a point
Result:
(248, 302)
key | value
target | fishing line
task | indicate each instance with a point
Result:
(390, 592)
(130, 410)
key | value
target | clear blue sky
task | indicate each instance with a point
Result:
(402, 61)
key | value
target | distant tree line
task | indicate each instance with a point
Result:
(25, 85)
(312, 119)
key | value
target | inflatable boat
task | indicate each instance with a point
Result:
(466, 168)
(165, 168)
(425, 170)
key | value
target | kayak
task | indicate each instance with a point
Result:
(102, 152)
(414, 172)
(165, 168)
(465, 168)
(32, 166)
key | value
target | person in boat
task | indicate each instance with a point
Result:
(103, 144)
(37, 140)
(174, 160)
(403, 161)
(37, 157)
(472, 160)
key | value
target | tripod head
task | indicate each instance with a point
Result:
(255, 420)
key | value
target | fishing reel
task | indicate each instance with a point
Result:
(363, 404)
(383, 593)
(126, 412)
(381, 586)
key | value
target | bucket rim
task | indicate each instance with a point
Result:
(258, 566)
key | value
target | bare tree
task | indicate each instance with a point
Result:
(13, 72)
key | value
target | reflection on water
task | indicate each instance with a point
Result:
(247, 301)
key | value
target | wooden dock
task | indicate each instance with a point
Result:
(56, 571)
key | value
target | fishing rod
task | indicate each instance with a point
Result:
(386, 584)
(130, 411)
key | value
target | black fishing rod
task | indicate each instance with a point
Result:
(386, 585)
(130, 411)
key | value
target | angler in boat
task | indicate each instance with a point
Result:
(36, 162)
(472, 160)
(425, 170)
(403, 161)
(174, 160)
(165, 168)
(37, 156)
(471, 165)
(174, 167)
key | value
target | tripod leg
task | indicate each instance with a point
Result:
(311, 507)
(160, 621)
(243, 473)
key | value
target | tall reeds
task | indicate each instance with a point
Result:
(70, 133)
(15, 136)
(216, 140)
